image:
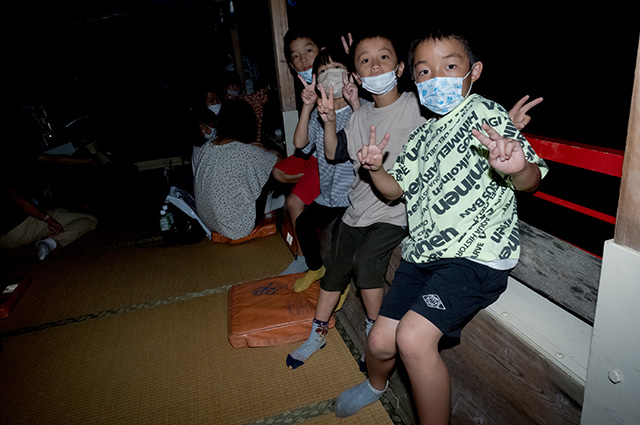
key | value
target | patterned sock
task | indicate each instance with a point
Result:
(315, 342)
(367, 327)
(305, 281)
(355, 398)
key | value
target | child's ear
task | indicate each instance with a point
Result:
(400, 69)
(356, 77)
(476, 71)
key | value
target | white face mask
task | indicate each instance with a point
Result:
(442, 94)
(215, 108)
(380, 84)
(210, 136)
(332, 77)
(307, 75)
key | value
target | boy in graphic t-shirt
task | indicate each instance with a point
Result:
(457, 175)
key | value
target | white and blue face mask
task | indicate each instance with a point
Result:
(215, 108)
(210, 136)
(442, 94)
(307, 75)
(380, 84)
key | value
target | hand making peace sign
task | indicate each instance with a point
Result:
(371, 156)
(505, 155)
(308, 94)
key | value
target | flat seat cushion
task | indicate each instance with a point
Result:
(268, 312)
(266, 227)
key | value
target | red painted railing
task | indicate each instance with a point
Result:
(593, 158)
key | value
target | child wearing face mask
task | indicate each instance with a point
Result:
(457, 178)
(331, 68)
(207, 123)
(300, 168)
(372, 226)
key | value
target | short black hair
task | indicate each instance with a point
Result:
(297, 32)
(440, 34)
(237, 121)
(332, 53)
(374, 33)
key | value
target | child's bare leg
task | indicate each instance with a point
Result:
(417, 340)
(295, 206)
(381, 351)
(372, 299)
(381, 359)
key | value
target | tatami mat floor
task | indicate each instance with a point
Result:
(110, 332)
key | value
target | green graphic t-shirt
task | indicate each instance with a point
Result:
(457, 205)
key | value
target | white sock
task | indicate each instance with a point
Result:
(45, 246)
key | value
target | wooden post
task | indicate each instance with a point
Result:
(627, 231)
(279, 27)
(237, 52)
(613, 375)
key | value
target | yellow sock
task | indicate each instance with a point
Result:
(342, 298)
(305, 281)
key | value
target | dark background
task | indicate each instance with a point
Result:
(137, 67)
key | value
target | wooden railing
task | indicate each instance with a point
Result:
(562, 272)
(592, 158)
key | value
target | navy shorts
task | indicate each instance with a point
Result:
(447, 292)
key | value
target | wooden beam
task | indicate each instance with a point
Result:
(279, 27)
(627, 231)
(237, 52)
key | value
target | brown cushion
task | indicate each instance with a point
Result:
(266, 227)
(269, 312)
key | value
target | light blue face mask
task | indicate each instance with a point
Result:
(215, 108)
(210, 136)
(442, 94)
(307, 75)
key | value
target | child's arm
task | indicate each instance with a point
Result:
(507, 157)
(309, 97)
(371, 157)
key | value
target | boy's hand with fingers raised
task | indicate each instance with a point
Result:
(507, 157)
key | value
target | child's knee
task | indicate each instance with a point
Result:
(294, 204)
(381, 345)
(417, 341)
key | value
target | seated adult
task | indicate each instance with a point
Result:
(26, 223)
(232, 173)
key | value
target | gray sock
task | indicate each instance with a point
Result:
(316, 341)
(355, 398)
(298, 265)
